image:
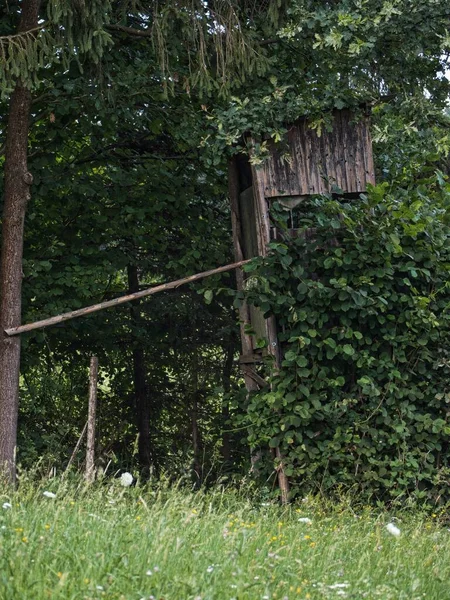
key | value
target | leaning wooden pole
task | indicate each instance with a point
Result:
(121, 300)
(90, 446)
(263, 235)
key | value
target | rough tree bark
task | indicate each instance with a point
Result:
(141, 395)
(16, 195)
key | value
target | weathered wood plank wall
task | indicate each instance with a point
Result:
(339, 158)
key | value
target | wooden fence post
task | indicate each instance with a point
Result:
(90, 446)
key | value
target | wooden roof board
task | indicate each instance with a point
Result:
(341, 157)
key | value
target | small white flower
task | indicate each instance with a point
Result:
(393, 529)
(99, 587)
(149, 573)
(49, 494)
(305, 520)
(7, 505)
(156, 569)
(126, 479)
(336, 586)
(210, 569)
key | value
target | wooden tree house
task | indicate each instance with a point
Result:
(339, 160)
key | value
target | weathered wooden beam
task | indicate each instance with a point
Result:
(245, 359)
(92, 409)
(263, 232)
(121, 300)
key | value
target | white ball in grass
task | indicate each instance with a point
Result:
(393, 529)
(126, 479)
(49, 494)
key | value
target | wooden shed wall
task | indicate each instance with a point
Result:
(339, 158)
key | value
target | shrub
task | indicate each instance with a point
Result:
(361, 297)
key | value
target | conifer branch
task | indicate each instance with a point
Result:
(9, 38)
(131, 30)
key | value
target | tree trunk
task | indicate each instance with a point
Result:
(142, 400)
(16, 196)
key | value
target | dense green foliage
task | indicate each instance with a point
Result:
(361, 298)
(118, 185)
(151, 542)
(122, 191)
(348, 53)
(136, 108)
(67, 31)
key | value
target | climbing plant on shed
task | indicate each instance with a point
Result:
(361, 297)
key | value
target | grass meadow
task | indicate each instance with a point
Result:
(68, 541)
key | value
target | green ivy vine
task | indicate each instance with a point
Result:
(361, 297)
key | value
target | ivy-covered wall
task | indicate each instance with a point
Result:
(361, 297)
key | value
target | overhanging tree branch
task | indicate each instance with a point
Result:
(22, 34)
(149, 33)
(131, 30)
